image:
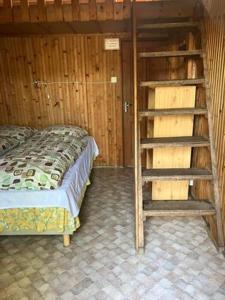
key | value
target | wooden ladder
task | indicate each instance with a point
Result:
(208, 208)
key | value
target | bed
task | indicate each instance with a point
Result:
(49, 211)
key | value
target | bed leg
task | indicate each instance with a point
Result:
(66, 240)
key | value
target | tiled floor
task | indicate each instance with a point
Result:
(179, 262)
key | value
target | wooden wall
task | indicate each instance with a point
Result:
(215, 54)
(214, 7)
(93, 103)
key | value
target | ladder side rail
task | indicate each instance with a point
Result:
(137, 159)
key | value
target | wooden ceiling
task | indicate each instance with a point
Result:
(83, 16)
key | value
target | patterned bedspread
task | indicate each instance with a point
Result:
(11, 136)
(40, 163)
(7, 143)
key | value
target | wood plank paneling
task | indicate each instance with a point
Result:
(93, 103)
(167, 126)
(39, 11)
(214, 7)
(214, 35)
(57, 10)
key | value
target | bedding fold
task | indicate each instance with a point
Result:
(11, 136)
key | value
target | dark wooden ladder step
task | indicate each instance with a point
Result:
(176, 174)
(191, 141)
(170, 53)
(181, 208)
(174, 25)
(167, 83)
(149, 36)
(171, 112)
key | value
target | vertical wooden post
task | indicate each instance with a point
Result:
(139, 225)
(191, 64)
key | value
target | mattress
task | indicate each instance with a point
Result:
(67, 196)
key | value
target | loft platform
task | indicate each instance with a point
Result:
(83, 16)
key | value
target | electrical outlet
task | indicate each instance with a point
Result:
(113, 79)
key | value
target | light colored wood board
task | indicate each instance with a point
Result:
(177, 124)
(171, 158)
(172, 126)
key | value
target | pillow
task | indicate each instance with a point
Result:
(19, 133)
(7, 144)
(67, 130)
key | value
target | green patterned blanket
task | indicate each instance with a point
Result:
(7, 143)
(11, 136)
(40, 163)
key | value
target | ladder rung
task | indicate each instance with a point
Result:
(192, 141)
(170, 53)
(172, 111)
(176, 174)
(153, 35)
(182, 208)
(166, 83)
(168, 25)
